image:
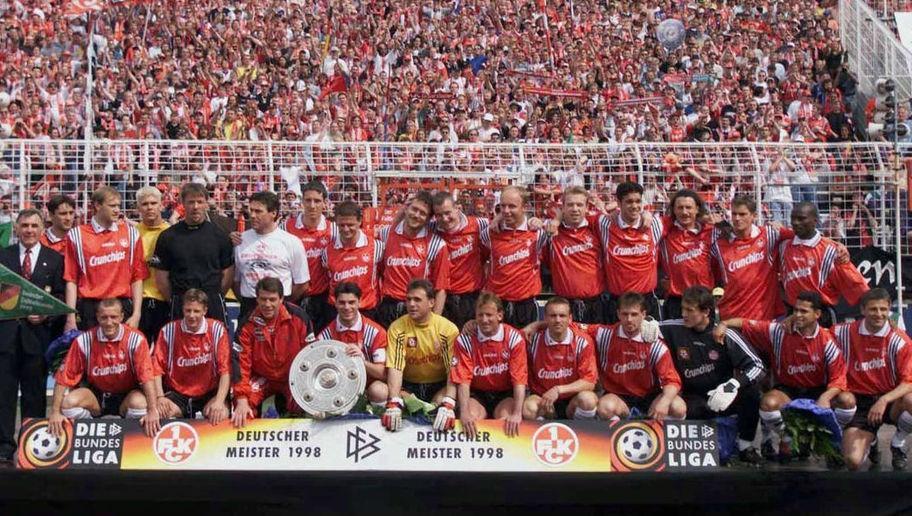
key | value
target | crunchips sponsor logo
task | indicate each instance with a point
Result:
(510, 258)
(874, 363)
(797, 274)
(360, 270)
(195, 361)
(689, 255)
(112, 257)
(637, 250)
(564, 372)
(703, 369)
(403, 262)
(578, 248)
(802, 369)
(493, 369)
(109, 370)
(747, 260)
(633, 365)
(462, 250)
(314, 252)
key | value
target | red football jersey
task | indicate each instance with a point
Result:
(748, 270)
(628, 366)
(191, 363)
(490, 364)
(467, 255)
(796, 360)
(576, 261)
(631, 254)
(49, 240)
(405, 258)
(315, 241)
(515, 262)
(113, 366)
(378, 219)
(684, 257)
(811, 265)
(356, 264)
(367, 334)
(553, 363)
(102, 262)
(876, 362)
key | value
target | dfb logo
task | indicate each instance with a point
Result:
(361, 444)
(555, 444)
(175, 443)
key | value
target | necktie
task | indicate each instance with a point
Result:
(27, 265)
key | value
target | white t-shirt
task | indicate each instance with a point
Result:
(278, 254)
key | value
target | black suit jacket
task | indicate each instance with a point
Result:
(48, 273)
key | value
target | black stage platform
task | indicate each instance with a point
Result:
(758, 491)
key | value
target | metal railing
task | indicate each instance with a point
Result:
(873, 49)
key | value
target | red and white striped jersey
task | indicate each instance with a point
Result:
(575, 258)
(358, 264)
(553, 363)
(490, 364)
(627, 365)
(104, 262)
(113, 366)
(51, 241)
(404, 258)
(515, 273)
(684, 255)
(467, 255)
(811, 265)
(365, 333)
(191, 363)
(876, 362)
(748, 270)
(796, 360)
(631, 254)
(315, 241)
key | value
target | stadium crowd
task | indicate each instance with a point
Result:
(445, 306)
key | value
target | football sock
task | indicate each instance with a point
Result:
(76, 413)
(844, 416)
(584, 414)
(135, 413)
(903, 428)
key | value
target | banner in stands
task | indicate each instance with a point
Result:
(363, 445)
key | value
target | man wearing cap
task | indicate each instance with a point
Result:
(487, 129)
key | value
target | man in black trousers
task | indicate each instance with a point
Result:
(24, 341)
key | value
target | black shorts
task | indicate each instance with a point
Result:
(187, 405)
(641, 404)
(561, 407)
(490, 399)
(109, 402)
(389, 310)
(155, 315)
(794, 393)
(424, 391)
(85, 312)
(652, 308)
(318, 309)
(863, 404)
(460, 308)
(589, 311)
(520, 313)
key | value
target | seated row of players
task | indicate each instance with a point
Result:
(693, 368)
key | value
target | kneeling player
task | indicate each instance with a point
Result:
(418, 356)
(879, 364)
(364, 338)
(268, 342)
(489, 369)
(114, 359)
(806, 363)
(633, 372)
(191, 363)
(562, 362)
(719, 376)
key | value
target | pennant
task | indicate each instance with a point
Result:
(20, 298)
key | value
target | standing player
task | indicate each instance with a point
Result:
(515, 265)
(268, 342)
(114, 360)
(489, 369)
(684, 250)
(365, 339)
(194, 253)
(631, 250)
(191, 363)
(879, 364)
(746, 262)
(633, 372)
(418, 357)
(412, 251)
(104, 259)
(809, 262)
(575, 258)
(805, 361)
(562, 367)
(353, 256)
(719, 378)
(155, 308)
(267, 251)
(467, 256)
(61, 213)
(315, 232)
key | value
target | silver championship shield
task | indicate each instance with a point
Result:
(324, 380)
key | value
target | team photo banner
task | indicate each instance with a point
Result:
(364, 445)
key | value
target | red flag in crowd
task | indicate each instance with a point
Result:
(80, 7)
(335, 84)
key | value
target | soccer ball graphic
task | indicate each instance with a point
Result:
(43, 444)
(637, 446)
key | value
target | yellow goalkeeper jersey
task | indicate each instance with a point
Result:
(422, 352)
